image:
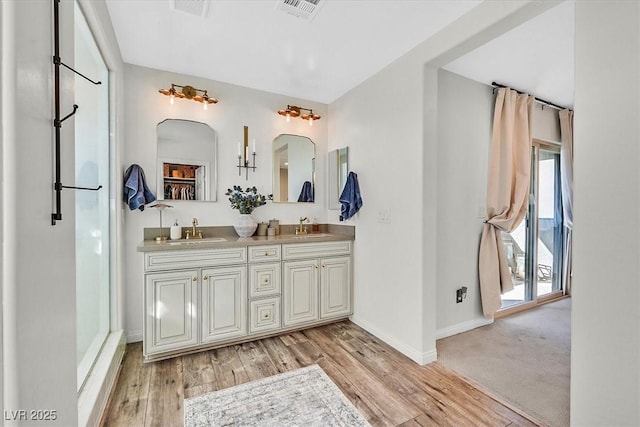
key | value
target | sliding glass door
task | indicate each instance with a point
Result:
(534, 248)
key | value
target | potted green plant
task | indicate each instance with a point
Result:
(246, 201)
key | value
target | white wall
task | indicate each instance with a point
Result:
(238, 107)
(605, 335)
(465, 117)
(380, 122)
(38, 283)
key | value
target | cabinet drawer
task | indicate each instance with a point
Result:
(264, 315)
(155, 261)
(314, 250)
(264, 253)
(264, 280)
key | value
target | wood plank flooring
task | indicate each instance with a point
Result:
(387, 388)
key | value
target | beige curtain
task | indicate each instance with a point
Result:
(566, 177)
(507, 192)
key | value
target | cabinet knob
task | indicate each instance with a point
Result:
(323, 266)
(316, 266)
(266, 280)
(194, 278)
(205, 278)
(266, 254)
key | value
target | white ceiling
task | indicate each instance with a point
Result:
(536, 57)
(251, 43)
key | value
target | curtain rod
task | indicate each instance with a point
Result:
(542, 101)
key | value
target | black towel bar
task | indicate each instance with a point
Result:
(57, 121)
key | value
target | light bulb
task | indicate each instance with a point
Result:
(288, 117)
(310, 121)
(204, 104)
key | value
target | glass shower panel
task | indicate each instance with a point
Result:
(91, 207)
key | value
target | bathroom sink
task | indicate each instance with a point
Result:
(195, 241)
(312, 235)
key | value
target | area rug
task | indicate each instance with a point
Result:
(304, 397)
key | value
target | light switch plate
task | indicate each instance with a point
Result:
(384, 216)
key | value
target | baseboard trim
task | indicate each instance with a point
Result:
(421, 358)
(93, 397)
(462, 327)
(134, 336)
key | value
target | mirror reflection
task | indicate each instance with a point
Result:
(293, 169)
(186, 161)
(338, 170)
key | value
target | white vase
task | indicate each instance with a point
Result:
(245, 225)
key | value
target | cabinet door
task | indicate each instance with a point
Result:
(335, 287)
(224, 303)
(300, 291)
(171, 318)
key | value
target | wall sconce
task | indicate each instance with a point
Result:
(294, 111)
(188, 92)
(244, 150)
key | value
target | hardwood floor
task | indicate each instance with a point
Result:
(387, 388)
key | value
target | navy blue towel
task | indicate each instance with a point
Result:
(136, 193)
(306, 195)
(350, 197)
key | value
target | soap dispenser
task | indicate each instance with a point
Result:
(176, 231)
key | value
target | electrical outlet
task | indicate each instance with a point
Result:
(461, 294)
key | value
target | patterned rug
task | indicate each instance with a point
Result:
(304, 397)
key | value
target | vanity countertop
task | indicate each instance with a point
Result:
(227, 241)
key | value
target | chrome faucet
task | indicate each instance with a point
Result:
(193, 233)
(301, 229)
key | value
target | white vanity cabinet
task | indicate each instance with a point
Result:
(205, 298)
(194, 297)
(317, 281)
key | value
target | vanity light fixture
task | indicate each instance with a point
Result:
(244, 150)
(189, 92)
(294, 111)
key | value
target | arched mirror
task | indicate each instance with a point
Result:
(294, 160)
(186, 161)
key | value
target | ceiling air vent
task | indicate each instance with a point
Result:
(192, 7)
(306, 9)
